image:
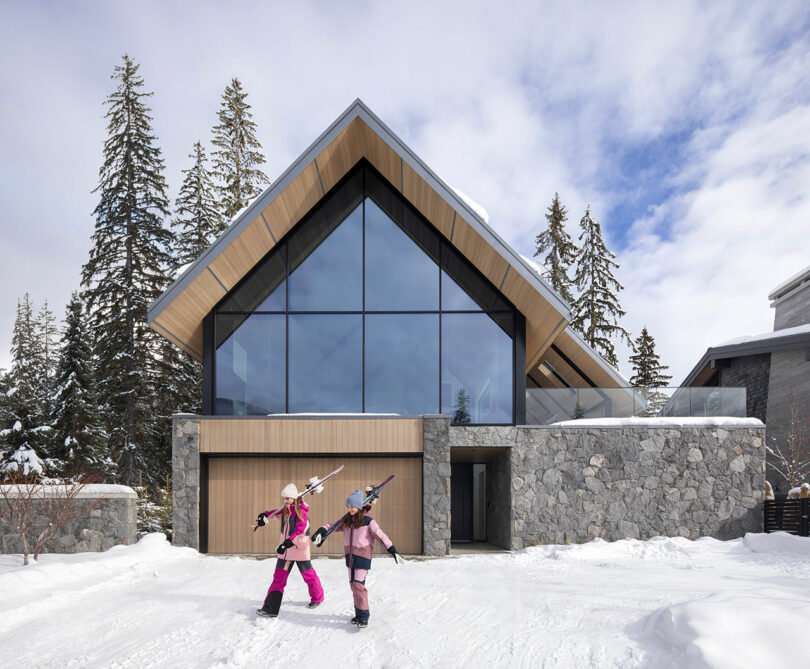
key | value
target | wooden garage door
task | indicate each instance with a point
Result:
(239, 488)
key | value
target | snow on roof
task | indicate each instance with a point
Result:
(472, 204)
(663, 421)
(787, 332)
(796, 278)
(182, 270)
(533, 264)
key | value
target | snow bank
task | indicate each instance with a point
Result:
(735, 631)
(777, 542)
(663, 421)
(472, 204)
(88, 491)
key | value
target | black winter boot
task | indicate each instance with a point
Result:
(313, 605)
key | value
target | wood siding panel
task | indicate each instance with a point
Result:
(427, 201)
(242, 254)
(580, 357)
(291, 435)
(379, 154)
(476, 249)
(340, 155)
(294, 202)
(239, 488)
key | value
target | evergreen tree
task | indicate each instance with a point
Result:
(596, 312)
(47, 340)
(561, 250)
(127, 269)
(79, 442)
(24, 432)
(238, 155)
(461, 411)
(198, 221)
(648, 373)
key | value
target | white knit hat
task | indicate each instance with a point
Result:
(289, 490)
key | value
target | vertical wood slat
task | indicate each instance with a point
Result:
(239, 488)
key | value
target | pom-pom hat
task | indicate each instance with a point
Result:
(289, 490)
(355, 499)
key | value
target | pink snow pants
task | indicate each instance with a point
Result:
(357, 582)
(282, 572)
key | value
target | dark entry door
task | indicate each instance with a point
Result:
(461, 501)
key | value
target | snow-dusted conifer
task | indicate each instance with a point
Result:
(79, 443)
(48, 342)
(127, 268)
(648, 372)
(237, 157)
(25, 430)
(596, 311)
(198, 220)
(561, 250)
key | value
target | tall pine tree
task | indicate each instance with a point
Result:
(648, 373)
(238, 155)
(198, 221)
(561, 249)
(127, 270)
(79, 440)
(596, 311)
(48, 342)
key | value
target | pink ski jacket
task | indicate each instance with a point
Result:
(358, 544)
(297, 529)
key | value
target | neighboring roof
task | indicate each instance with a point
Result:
(358, 133)
(781, 340)
(791, 284)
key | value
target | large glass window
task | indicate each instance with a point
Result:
(363, 307)
(326, 361)
(250, 365)
(477, 368)
(402, 363)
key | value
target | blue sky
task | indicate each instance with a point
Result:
(685, 126)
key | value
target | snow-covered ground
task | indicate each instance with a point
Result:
(659, 603)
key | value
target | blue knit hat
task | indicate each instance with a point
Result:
(355, 499)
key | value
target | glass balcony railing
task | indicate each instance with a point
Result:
(552, 405)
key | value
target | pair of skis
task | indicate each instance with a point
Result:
(371, 495)
(314, 486)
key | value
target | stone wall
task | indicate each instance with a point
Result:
(436, 486)
(573, 484)
(113, 522)
(186, 480)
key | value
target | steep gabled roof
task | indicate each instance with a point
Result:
(358, 133)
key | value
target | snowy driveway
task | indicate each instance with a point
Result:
(658, 603)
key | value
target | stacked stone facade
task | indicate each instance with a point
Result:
(114, 521)
(186, 480)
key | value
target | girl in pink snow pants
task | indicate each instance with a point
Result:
(293, 550)
(359, 533)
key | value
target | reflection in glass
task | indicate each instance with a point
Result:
(402, 363)
(463, 289)
(476, 369)
(399, 275)
(326, 363)
(250, 368)
(327, 275)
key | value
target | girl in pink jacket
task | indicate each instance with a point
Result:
(359, 533)
(293, 549)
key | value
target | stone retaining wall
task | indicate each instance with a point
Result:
(186, 480)
(113, 522)
(573, 484)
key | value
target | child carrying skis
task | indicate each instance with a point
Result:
(359, 533)
(293, 550)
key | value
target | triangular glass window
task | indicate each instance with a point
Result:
(463, 289)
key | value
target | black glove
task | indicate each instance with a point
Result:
(261, 521)
(317, 538)
(397, 557)
(288, 543)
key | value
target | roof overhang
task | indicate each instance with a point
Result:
(706, 366)
(356, 134)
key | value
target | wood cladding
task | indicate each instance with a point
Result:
(311, 435)
(292, 203)
(240, 488)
